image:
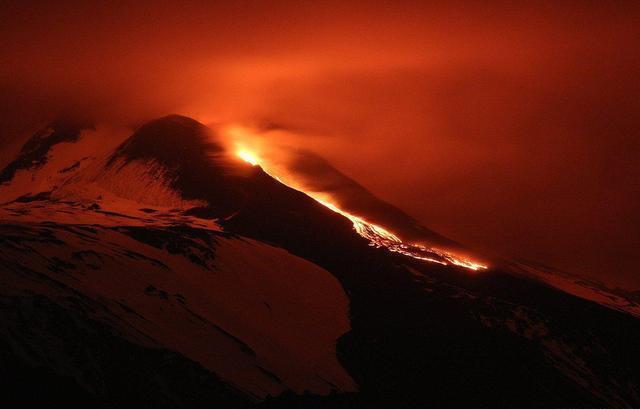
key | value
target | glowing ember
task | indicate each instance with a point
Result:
(377, 235)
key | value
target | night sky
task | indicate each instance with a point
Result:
(513, 129)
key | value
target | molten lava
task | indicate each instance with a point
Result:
(377, 235)
(248, 157)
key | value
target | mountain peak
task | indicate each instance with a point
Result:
(172, 140)
(186, 157)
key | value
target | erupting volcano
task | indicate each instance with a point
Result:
(272, 205)
(203, 277)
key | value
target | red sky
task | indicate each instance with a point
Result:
(514, 129)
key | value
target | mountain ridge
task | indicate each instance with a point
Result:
(288, 296)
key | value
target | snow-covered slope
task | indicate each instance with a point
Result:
(257, 316)
(588, 289)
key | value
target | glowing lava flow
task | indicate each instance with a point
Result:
(377, 235)
(248, 157)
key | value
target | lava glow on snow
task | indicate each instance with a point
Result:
(377, 235)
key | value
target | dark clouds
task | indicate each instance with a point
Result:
(511, 128)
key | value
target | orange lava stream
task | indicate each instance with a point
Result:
(377, 235)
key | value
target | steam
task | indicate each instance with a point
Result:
(500, 126)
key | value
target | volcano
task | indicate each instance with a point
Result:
(161, 271)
